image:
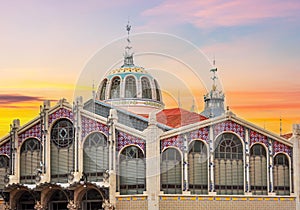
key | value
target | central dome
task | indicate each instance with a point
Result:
(131, 87)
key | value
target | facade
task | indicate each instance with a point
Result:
(124, 150)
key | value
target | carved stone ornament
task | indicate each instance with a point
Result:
(72, 205)
(107, 205)
(38, 206)
(6, 206)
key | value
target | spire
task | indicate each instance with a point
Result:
(214, 77)
(128, 56)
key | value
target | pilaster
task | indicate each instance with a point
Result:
(296, 161)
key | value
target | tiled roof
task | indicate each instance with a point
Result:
(287, 135)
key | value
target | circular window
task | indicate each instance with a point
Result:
(62, 133)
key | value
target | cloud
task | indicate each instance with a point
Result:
(6, 99)
(215, 13)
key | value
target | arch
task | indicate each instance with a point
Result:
(115, 88)
(146, 88)
(91, 198)
(62, 150)
(258, 170)
(198, 167)
(171, 171)
(157, 91)
(102, 92)
(130, 87)
(58, 199)
(30, 157)
(95, 156)
(281, 174)
(25, 201)
(4, 167)
(132, 171)
(229, 164)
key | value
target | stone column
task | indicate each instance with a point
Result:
(185, 167)
(211, 162)
(152, 135)
(271, 183)
(14, 177)
(112, 120)
(296, 161)
(247, 163)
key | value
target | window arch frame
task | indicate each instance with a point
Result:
(253, 188)
(138, 187)
(146, 93)
(202, 189)
(239, 189)
(103, 89)
(288, 159)
(178, 188)
(95, 176)
(117, 88)
(157, 91)
(30, 179)
(134, 93)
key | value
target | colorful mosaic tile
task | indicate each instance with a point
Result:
(202, 133)
(175, 141)
(34, 131)
(279, 147)
(125, 139)
(229, 126)
(5, 148)
(257, 137)
(59, 114)
(89, 125)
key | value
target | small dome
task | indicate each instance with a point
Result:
(131, 88)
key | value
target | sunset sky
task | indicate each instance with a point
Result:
(45, 45)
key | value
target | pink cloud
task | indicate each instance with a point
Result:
(213, 13)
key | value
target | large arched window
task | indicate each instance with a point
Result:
(281, 175)
(26, 201)
(258, 170)
(132, 171)
(115, 88)
(146, 88)
(130, 87)
(4, 165)
(91, 200)
(157, 90)
(103, 90)
(58, 200)
(62, 150)
(95, 156)
(197, 168)
(229, 170)
(29, 160)
(171, 171)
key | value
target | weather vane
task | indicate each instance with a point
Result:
(214, 77)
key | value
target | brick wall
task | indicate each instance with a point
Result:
(131, 203)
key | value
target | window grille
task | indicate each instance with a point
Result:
(29, 160)
(95, 156)
(157, 91)
(4, 166)
(130, 87)
(281, 175)
(92, 200)
(171, 171)
(103, 90)
(26, 201)
(132, 171)
(258, 170)
(62, 150)
(146, 88)
(229, 170)
(115, 88)
(197, 168)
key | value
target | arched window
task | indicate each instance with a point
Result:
(171, 171)
(26, 201)
(91, 200)
(130, 87)
(281, 175)
(4, 165)
(103, 89)
(95, 156)
(146, 88)
(157, 90)
(62, 150)
(197, 168)
(258, 170)
(132, 171)
(58, 200)
(115, 88)
(229, 170)
(29, 160)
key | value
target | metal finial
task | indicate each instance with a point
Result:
(128, 56)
